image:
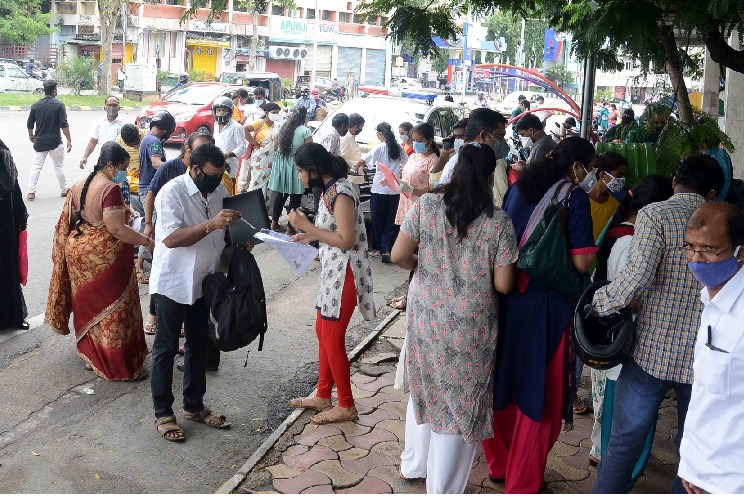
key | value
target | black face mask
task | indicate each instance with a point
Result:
(316, 183)
(206, 183)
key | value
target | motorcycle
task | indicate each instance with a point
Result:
(331, 95)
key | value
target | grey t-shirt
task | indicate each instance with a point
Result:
(541, 148)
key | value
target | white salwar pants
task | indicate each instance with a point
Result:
(444, 459)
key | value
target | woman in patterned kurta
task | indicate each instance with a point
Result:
(345, 276)
(467, 249)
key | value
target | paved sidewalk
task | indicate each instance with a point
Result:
(364, 456)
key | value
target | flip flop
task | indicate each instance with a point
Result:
(206, 417)
(163, 430)
(398, 303)
(150, 329)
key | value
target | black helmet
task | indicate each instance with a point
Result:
(164, 120)
(226, 104)
(605, 342)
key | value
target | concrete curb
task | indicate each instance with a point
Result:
(234, 481)
(69, 107)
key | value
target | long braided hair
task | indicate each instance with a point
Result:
(110, 152)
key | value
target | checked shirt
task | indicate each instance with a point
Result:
(657, 272)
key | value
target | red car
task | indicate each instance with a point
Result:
(191, 106)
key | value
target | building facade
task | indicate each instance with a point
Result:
(152, 32)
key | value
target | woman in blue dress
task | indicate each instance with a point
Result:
(532, 356)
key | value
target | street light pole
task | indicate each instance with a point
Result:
(315, 44)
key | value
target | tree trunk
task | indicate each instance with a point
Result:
(108, 10)
(674, 68)
(254, 42)
(722, 52)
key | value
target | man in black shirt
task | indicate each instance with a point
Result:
(49, 116)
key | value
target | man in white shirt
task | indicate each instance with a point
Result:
(484, 126)
(349, 149)
(256, 112)
(331, 140)
(712, 447)
(107, 129)
(228, 134)
(189, 239)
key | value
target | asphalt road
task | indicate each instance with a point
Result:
(56, 438)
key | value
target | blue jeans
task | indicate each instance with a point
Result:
(638, 397)
(384, 231)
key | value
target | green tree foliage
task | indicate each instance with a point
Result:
(21, 21)
(560, 75)
(109, 12)
(440, 62)
(77, 73)
(509, 25)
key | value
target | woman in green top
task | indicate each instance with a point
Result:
(283, 179)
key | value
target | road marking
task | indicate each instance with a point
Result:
(33, 323)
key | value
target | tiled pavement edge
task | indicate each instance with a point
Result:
(364, 456)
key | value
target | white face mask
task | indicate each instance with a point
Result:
(458, 144)
(616, 184)
(526, 141)
(403, 138)
(274, 117)
(589, 181)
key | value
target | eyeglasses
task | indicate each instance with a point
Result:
(690, 252)
(709, 345)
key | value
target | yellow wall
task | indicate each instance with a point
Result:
(204, 61)
(128, 53)
(696, 99)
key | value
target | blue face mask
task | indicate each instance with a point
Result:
(259, 102)
(715, 274)
(419, 147)
(120, 177)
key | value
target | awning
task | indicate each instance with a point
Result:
(209, 43)
(439, 42)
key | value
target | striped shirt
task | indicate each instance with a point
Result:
(657, 271)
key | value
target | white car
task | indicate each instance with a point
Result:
(511, 100)
(13, 78)
(406, 83)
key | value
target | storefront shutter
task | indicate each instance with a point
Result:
(374, 72)
(348, 56)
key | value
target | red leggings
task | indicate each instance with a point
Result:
(518, 450)
(333, 363)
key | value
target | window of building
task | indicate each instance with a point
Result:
(628, 65)
(383, 20)
(277, 10)
(358, 19)
(327, 15)
(344, 17)
(372, 21)
(237, 7)
(310, 14)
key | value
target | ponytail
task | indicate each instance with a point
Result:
(314, 157)
(393, 147)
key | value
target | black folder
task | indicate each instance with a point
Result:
(254, 217)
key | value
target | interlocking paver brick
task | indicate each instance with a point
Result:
(321, 432)
(563, 449)
(381, 358)
(377, 399)
(397, 330)
(353, 429)
(558, 488)
(376, 416)
(360, 394)
(396, 407)
(324, 489)
(395, 427)
(377, 384)
(470, 489)
(307, 460)
(363, 465)
(580, 460)
(574, 437)
(478, 474)
(389, 448)
(584, 486)
(340, 477)
(336, 443)
(282, 471)
(653, 484)
(296, 449)
(396, 342)
(352, 454)
(568, 472)
(377, 435)
(552, 476)
(391, 475)
(359, 378)
(295, 485)
(370, 485)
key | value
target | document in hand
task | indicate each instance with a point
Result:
(253, 216)
(299, 256)
(390, 179)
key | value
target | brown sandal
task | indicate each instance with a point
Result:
(161, 425)
(323, 418)
(309, 403)
(206, 416)
(150, 329)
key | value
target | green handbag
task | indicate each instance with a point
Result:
(545, 256)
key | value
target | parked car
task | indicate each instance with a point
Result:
(405, 83)
(191, 106)
(393, 110)
(13, 78)
(512, 99)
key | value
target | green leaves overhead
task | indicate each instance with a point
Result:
(21, 21)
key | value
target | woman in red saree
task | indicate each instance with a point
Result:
(93, 276)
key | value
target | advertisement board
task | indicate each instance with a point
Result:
(296, 30)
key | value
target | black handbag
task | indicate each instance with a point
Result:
(545, 256)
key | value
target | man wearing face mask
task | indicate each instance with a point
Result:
(484, 126)
(533, 137)
(228, 134)
(349, 149)
(667, 322)
(189, 239)
(710, 452)
(107, 129)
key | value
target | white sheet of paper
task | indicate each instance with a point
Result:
(136, 223)
(299, 256)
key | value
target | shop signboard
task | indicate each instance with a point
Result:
(303, 31)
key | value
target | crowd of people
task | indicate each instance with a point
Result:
(489, 353)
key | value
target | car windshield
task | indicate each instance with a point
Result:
(194, 95)
(394, 111)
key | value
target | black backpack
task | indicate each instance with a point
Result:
(237, 303)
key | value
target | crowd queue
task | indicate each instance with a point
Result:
(488, 356)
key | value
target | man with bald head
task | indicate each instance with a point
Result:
(667, 322)
(712, 449)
